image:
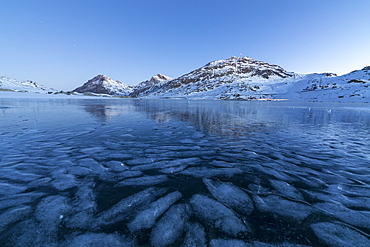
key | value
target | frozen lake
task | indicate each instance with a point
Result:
(125, 172)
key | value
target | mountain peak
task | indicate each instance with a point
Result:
(102, 84)
(99, 79)
(159, 77)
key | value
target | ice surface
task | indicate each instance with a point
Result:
(15, 175)
(218, 216)
(39, 183)
(339, 211)
(284, 244)
(174, 169)
(84, 207)
(228, 243)
(63, 181)
(167, 164)
(301, 164)
(93, 165)
(116, 166)
(33, 233)
(230, 195)
(147, 181)
(203, 172)
(146, 219)
(128, 206)
(13, 215)
(195, 236)
(169, 227)
(10, 189)
(50, 210)
(278, 205)
(98, 239)
(286, 189)
(338, 235)
(19, 199)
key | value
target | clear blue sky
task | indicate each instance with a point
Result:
(63, 43)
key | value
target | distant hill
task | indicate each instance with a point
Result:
(9, 84)
(102, 84)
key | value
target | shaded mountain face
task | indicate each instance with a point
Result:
(102, 84)
(146, 87)
(9, 84)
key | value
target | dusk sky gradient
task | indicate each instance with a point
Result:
(63, 43)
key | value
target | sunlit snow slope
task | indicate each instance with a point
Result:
(9, 84)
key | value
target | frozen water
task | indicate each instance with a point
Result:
(98, 239)
(228, 243)
(167, 164)
(116, 166)
(231, 196)
(146, 219)
(147, 180)
(169, 227)
(284, 244)
(50, 209)
(10, 189)
(278, 205)
(338, 235)
(339, 211)
(84, 207)
(286, 189)
(90, 181)
(13, 215)
(218, 216)
(173, 169)
(19, 199)
(127, 206)
(201, 172)
(195, 236)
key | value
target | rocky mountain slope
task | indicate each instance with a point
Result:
(102, 84)
(146, 87)
(246, 78)
(9, 84)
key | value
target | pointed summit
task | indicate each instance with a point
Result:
(102, 84)
(151, 85)
(159, 78)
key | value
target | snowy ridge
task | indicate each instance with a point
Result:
(102, 84)
(246, 78)
(9, 84)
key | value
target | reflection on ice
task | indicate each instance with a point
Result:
(117, 172)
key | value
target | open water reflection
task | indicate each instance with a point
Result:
(122, 172)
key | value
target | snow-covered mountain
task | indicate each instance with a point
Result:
(102, 84)
(246, 78)
(351, 87)
(146, 87)
(9, 84)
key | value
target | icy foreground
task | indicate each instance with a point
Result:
(82, 172)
